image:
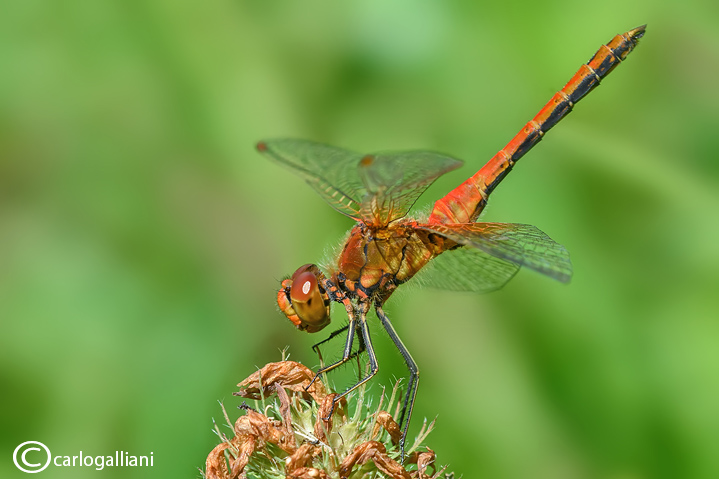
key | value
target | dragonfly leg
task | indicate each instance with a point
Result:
(330, 337)
(345, 355)
(360, 349)
(409, 397)
(356, 354)
(316, 347)
(366, 344)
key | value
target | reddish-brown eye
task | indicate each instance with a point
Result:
(303, 287)
(308, 305)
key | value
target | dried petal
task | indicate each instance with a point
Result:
(384, 419)
(247, 447)
(323, 424)
(258, 426)
(288, 442)
(301, 458)
(289, 374)
(424, 460)
(307, 473)
(216, 464)
(378, 454)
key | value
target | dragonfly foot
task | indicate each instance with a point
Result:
(402, 455)
(317, 374)
(332, 410)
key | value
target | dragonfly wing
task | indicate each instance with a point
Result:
(394, 181)
(331, 171)
(466, 269)
(524, 245)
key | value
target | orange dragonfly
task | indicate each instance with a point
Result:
(385, 249)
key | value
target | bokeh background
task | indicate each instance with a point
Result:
(142, 238)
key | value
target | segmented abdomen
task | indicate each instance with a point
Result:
(465, 203)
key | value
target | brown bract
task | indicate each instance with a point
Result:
(376, 452)
(288, 374)
(301, 455)
(385, 420)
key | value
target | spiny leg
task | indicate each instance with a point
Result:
(409, 397)
(346, 355)
(373, 366)
(356, 354)
(330, 337)
(334, 334)
(361, 348)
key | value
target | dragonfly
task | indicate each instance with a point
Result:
(448, 248)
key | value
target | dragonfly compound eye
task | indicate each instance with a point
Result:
(309, 302)
(304, 301)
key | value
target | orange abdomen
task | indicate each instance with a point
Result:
(465, 203)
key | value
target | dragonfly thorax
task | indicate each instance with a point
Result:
(374, 261)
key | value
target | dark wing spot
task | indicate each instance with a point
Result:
(367, 161)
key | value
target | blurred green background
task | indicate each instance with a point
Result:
(142, 238)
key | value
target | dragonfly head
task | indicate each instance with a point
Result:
(304, 301)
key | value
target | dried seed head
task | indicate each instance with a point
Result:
(304, 434)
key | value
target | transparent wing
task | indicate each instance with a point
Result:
(376, 189)
(466, 269)
(394, 181)
(330, 171)
(524, 245)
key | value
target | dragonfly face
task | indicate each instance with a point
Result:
(303, 299)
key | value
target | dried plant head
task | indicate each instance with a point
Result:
(293, 431)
